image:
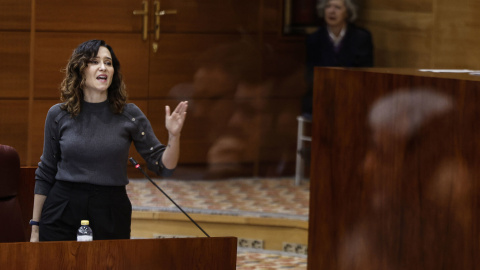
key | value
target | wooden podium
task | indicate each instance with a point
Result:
(179, 253)
(176, 253)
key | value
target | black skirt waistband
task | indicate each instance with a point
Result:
(90, 187)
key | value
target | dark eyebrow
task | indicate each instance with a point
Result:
(97, 57)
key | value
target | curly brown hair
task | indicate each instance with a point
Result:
(72, 85)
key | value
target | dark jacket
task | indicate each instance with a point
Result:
(356, 50)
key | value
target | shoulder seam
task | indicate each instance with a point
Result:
(60, 115)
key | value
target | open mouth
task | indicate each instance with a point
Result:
(102, 78)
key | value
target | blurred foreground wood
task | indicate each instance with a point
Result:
(402, 194)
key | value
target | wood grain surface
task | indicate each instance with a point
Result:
(380, 200)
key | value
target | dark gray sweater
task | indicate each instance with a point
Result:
(93, 147)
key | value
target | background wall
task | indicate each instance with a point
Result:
(424, 33)
(242, 76)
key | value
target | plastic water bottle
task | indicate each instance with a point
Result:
(84, 232)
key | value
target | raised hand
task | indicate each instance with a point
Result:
(174, 121)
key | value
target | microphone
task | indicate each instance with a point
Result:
(137, 166)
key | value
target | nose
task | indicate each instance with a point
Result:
(102, 66)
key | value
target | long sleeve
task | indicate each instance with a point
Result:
(364, 49)
(145, 141)
(47, 167)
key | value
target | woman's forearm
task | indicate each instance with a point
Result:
(172, 152)
(38, 201)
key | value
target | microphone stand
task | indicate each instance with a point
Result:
(135, 163)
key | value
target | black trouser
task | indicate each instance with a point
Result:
(106, 207)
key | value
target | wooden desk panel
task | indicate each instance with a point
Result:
(186, 253)
(416, 206)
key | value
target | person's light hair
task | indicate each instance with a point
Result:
(349, 4)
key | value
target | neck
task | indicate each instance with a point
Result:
(336, 29)
(94, 97)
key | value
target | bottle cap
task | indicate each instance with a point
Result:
(84, 222)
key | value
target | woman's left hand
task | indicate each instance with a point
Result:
(174, 121)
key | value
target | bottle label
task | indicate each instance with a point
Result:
(84, 238)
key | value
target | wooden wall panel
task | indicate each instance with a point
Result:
(88, 16)
(15, 15)
(423, 34)
(213, 66)
(420, 6)
(401, 38)
(229, 16)
(14, 126)
(283, 66)
(176, 61)
(455, 35)
(52, 51)
(272, 16)
(216, 16)
(15, 67)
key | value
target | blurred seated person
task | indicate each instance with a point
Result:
(336, 43)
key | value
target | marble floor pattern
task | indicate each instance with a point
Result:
(260, 197)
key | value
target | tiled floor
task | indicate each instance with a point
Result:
(259, 197)
(254, 260)
(251, 197)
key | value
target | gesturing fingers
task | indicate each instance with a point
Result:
(181, 107)
(174, 121)
(167, 111)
